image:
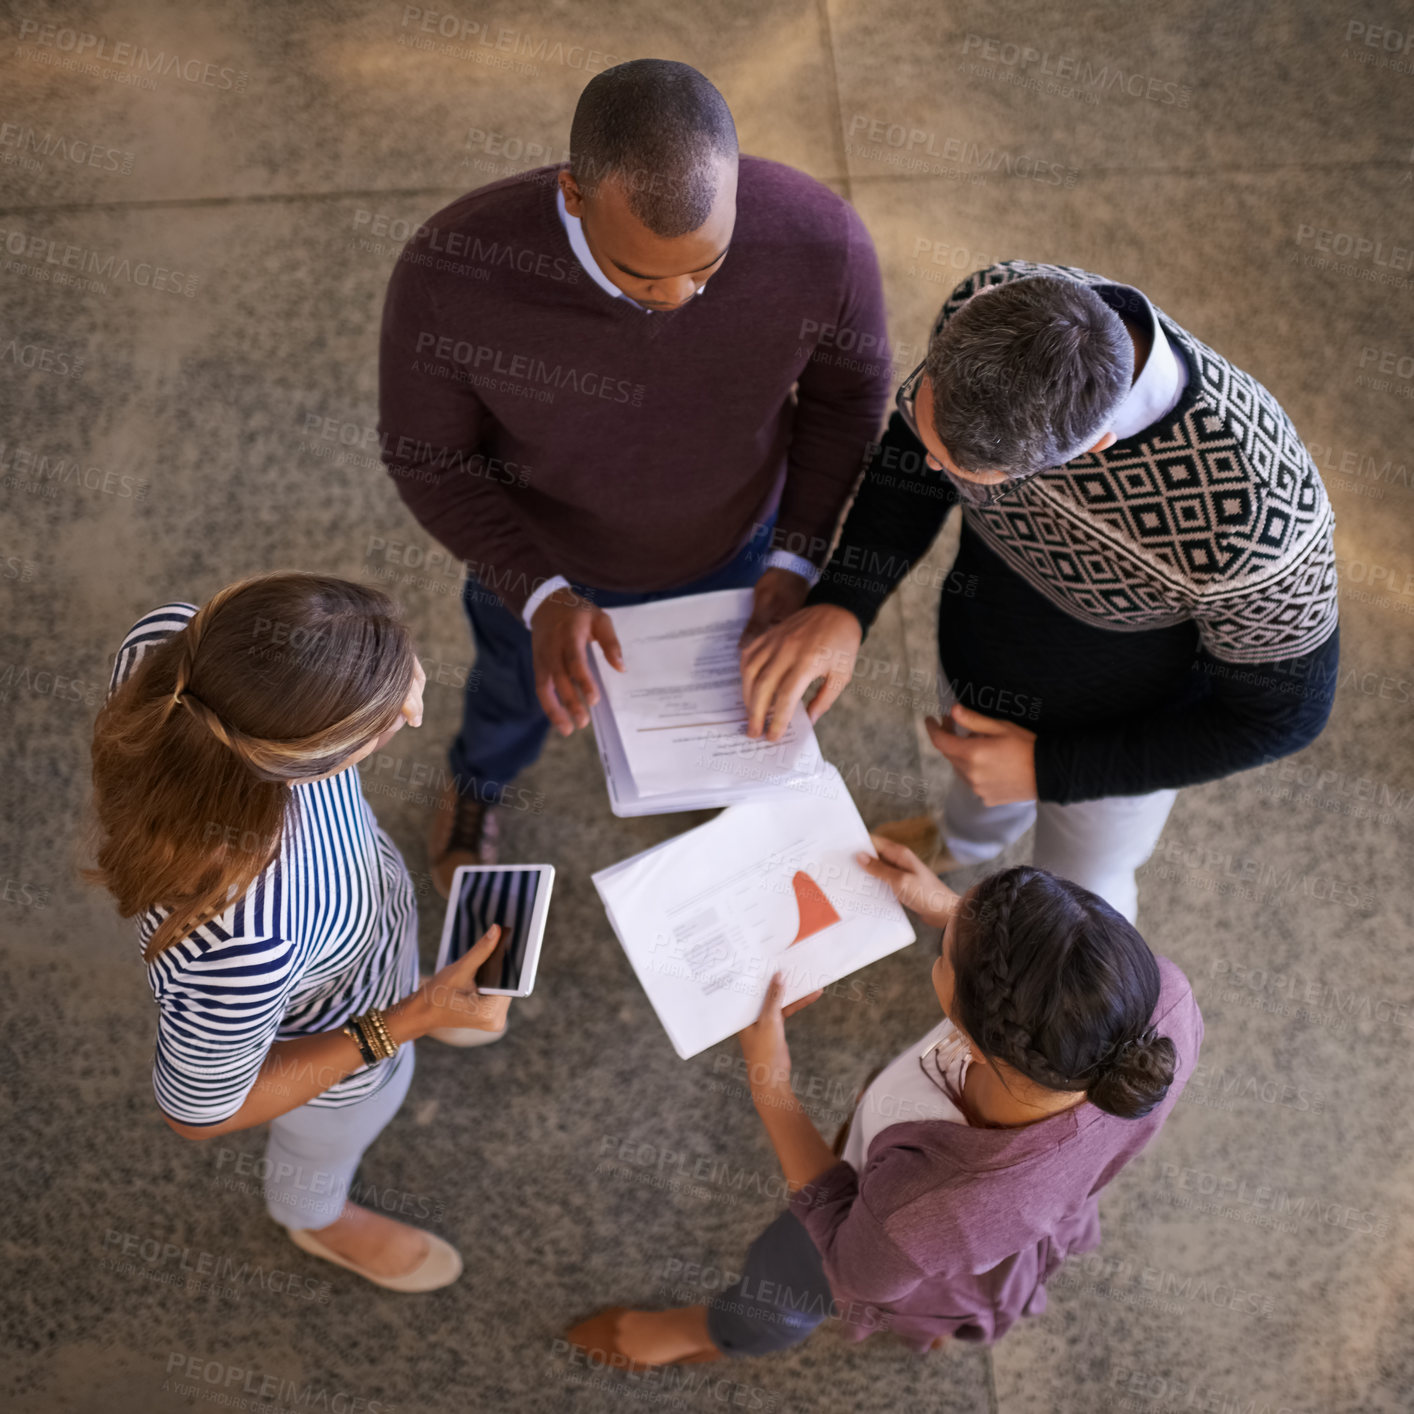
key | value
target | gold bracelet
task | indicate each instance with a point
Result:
(380, 1026)
(354, 1032)
(378, 1034)
(375, 1041)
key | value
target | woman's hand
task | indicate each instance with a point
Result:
(915, 885)
(450, 998)
(763, 1044)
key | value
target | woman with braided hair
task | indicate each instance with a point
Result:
(971, 1166)
(277, 920)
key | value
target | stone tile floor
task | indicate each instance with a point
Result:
(1251, 169)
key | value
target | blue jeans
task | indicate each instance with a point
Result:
(503, 726)
(780, 1297)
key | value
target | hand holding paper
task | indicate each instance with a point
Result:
(763, 1043)
(772, 886)
(913, 883)
(561, 630)
(672, 727)
(777, 595)
(778, 667)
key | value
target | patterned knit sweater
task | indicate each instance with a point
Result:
(1160, 613)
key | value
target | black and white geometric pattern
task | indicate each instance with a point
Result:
(1218, 516)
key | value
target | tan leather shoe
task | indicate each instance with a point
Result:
(598, 1337)
(440, 1267)
(464, 830)
(920, 834)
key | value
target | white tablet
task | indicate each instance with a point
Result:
(517, 896)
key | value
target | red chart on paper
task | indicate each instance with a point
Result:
(816, 911)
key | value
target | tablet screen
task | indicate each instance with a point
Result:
(504, 896)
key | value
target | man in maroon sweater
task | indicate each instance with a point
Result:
(654, 371)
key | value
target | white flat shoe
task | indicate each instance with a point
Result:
(440, 1267)
(464, 1035)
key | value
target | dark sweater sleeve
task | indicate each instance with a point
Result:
(432, 430)
(840, 398)
(899, 509)
(1250, 714)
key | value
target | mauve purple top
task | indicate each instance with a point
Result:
(952, 1230)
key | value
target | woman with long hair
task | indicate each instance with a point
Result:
(973, 1160)
(277, 921)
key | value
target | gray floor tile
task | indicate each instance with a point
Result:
(1254, 1258)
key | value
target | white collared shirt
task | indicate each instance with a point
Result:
(1160, 384)
(574, 229)
(777, 559)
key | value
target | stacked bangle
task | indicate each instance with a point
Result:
(354, 1032)
(370, 1034)
(378, 1034)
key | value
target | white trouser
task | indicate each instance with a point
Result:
(1097, 843)
(314, 1150)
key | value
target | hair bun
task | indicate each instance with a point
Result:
(1136, 1077)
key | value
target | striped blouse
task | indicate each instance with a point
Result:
(328, 930)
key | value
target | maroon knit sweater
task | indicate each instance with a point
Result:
(538, 426)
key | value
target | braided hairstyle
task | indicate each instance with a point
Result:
(275, 680)
(1051, 981)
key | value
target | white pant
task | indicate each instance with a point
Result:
(1097, 843)
(314, 1150)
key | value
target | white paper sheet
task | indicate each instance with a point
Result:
(672, 726)
(707, 917)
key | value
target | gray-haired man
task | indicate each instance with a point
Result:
(1151, 546)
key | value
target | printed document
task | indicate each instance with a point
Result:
(671, 728)
(770, 886)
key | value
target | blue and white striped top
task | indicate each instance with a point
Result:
(327, 931)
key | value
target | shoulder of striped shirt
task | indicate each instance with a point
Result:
(247, 961)
(162, 622)
(254, 959)
(243, 932)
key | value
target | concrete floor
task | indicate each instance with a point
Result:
(1256, 179)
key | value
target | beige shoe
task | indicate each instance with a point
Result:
(464, 830)
(464, 1035)
(440, 1267)
(920, 834)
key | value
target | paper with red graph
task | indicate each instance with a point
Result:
(771, 886)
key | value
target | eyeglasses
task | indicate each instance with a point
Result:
(951, 1050)
(972, 492)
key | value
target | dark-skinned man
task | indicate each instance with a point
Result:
(653, 371)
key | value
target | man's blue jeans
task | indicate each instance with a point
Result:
(503, 726)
